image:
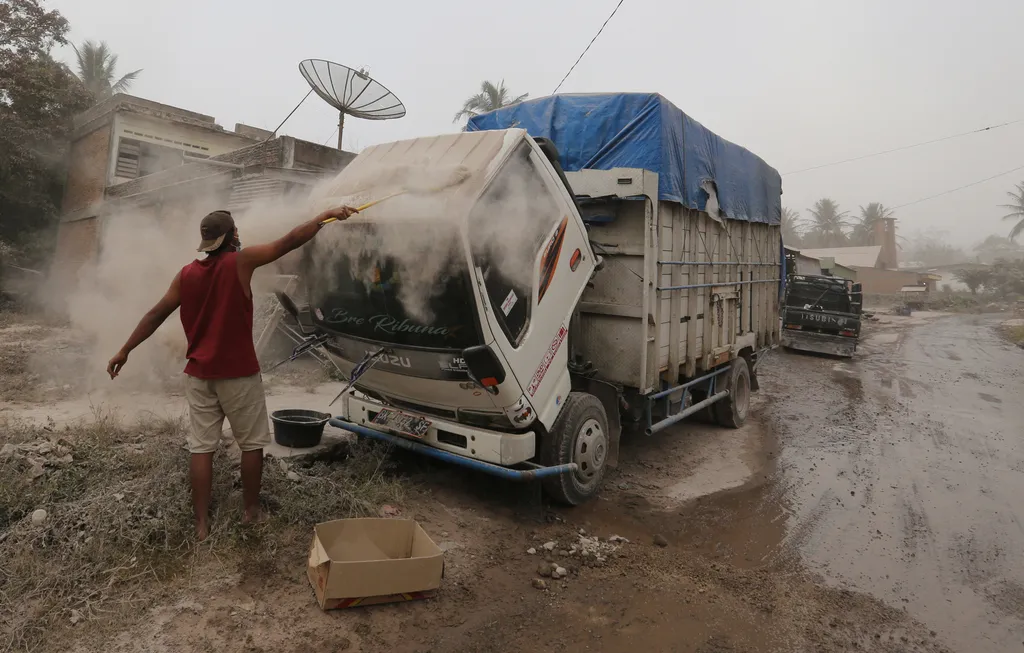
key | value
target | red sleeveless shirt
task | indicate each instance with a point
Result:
(217, 317)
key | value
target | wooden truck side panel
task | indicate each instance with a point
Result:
(680, 292)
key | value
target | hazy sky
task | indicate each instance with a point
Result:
(799, 82)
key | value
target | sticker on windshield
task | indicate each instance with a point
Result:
(545, 363)
(509, 302)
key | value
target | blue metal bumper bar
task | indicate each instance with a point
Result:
(719, 283)
(774, 265)
(669, 421)
(699, 379)
(447, 456)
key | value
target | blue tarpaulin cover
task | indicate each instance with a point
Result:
(644, 130)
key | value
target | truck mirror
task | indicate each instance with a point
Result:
(857, 289)
(287, 304)
(484, 367)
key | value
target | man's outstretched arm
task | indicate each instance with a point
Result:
(148, 325)
(256, 256)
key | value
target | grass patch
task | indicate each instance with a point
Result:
(14, 369)
(1014, 334)
(119, 517)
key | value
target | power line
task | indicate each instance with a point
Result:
(904, 147)
(588, 47)
(274, 133)
(332, 134)
(947, 192)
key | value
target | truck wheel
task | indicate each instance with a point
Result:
(732, 411)
(579, 435)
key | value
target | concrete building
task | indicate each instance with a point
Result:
(876, 266)
(127, 152)
(801, 263)
(939, 277)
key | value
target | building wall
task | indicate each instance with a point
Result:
(270, 153)
(949, 280)
(83, 194)
(196, 140)
(77, 245)
(876, 281)
(885, 236)
(87, 163)
(312, 156)
(807, 265)
(845, 272)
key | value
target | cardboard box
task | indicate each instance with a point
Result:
(365, 561)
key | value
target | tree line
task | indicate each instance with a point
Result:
(39, 97)
(1004, 279)
(829, 226)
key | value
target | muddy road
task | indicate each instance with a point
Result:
(901, 474)
(871, 504)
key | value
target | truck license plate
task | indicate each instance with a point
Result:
(405, 424)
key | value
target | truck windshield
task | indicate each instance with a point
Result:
(818, 295)
(366, 298)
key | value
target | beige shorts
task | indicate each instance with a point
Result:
(240, 400)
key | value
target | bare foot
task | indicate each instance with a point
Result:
(254, 515)
(202, 530)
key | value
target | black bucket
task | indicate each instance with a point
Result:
(299, 428)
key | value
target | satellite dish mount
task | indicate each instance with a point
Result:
(351, 92)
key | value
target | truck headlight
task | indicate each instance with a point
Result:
(520, 413)
(484, 419)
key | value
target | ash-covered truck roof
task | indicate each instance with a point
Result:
(644, 130)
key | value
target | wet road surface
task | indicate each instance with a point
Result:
(900, 473)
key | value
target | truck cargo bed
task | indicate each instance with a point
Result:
(680, 292)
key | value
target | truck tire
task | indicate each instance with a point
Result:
(731, 412)
(705, 415)
(579, 435)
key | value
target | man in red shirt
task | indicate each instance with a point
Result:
(222, 375)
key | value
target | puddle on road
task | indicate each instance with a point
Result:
(747, 528)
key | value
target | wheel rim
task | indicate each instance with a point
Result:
(590, 451)
(742, 398)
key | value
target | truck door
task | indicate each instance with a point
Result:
(531, 249)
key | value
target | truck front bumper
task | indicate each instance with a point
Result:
(821, 343)
(530, 473)
(494, 447)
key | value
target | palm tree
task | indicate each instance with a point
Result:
(791, 227)
(97, 69)
(827, 225)
(1016, 209)
(490, 98)
(864, 229)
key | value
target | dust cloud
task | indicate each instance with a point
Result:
(415, 229)
(141, 250)
(419, 233)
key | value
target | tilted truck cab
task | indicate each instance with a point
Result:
(568, 301)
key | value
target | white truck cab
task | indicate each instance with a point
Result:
(487, 374)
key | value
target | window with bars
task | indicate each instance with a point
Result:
(128, 152)
(137, 158)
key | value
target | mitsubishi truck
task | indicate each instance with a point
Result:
(645, 288)
(821, 314)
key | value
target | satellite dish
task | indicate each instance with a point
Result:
(351, 92)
